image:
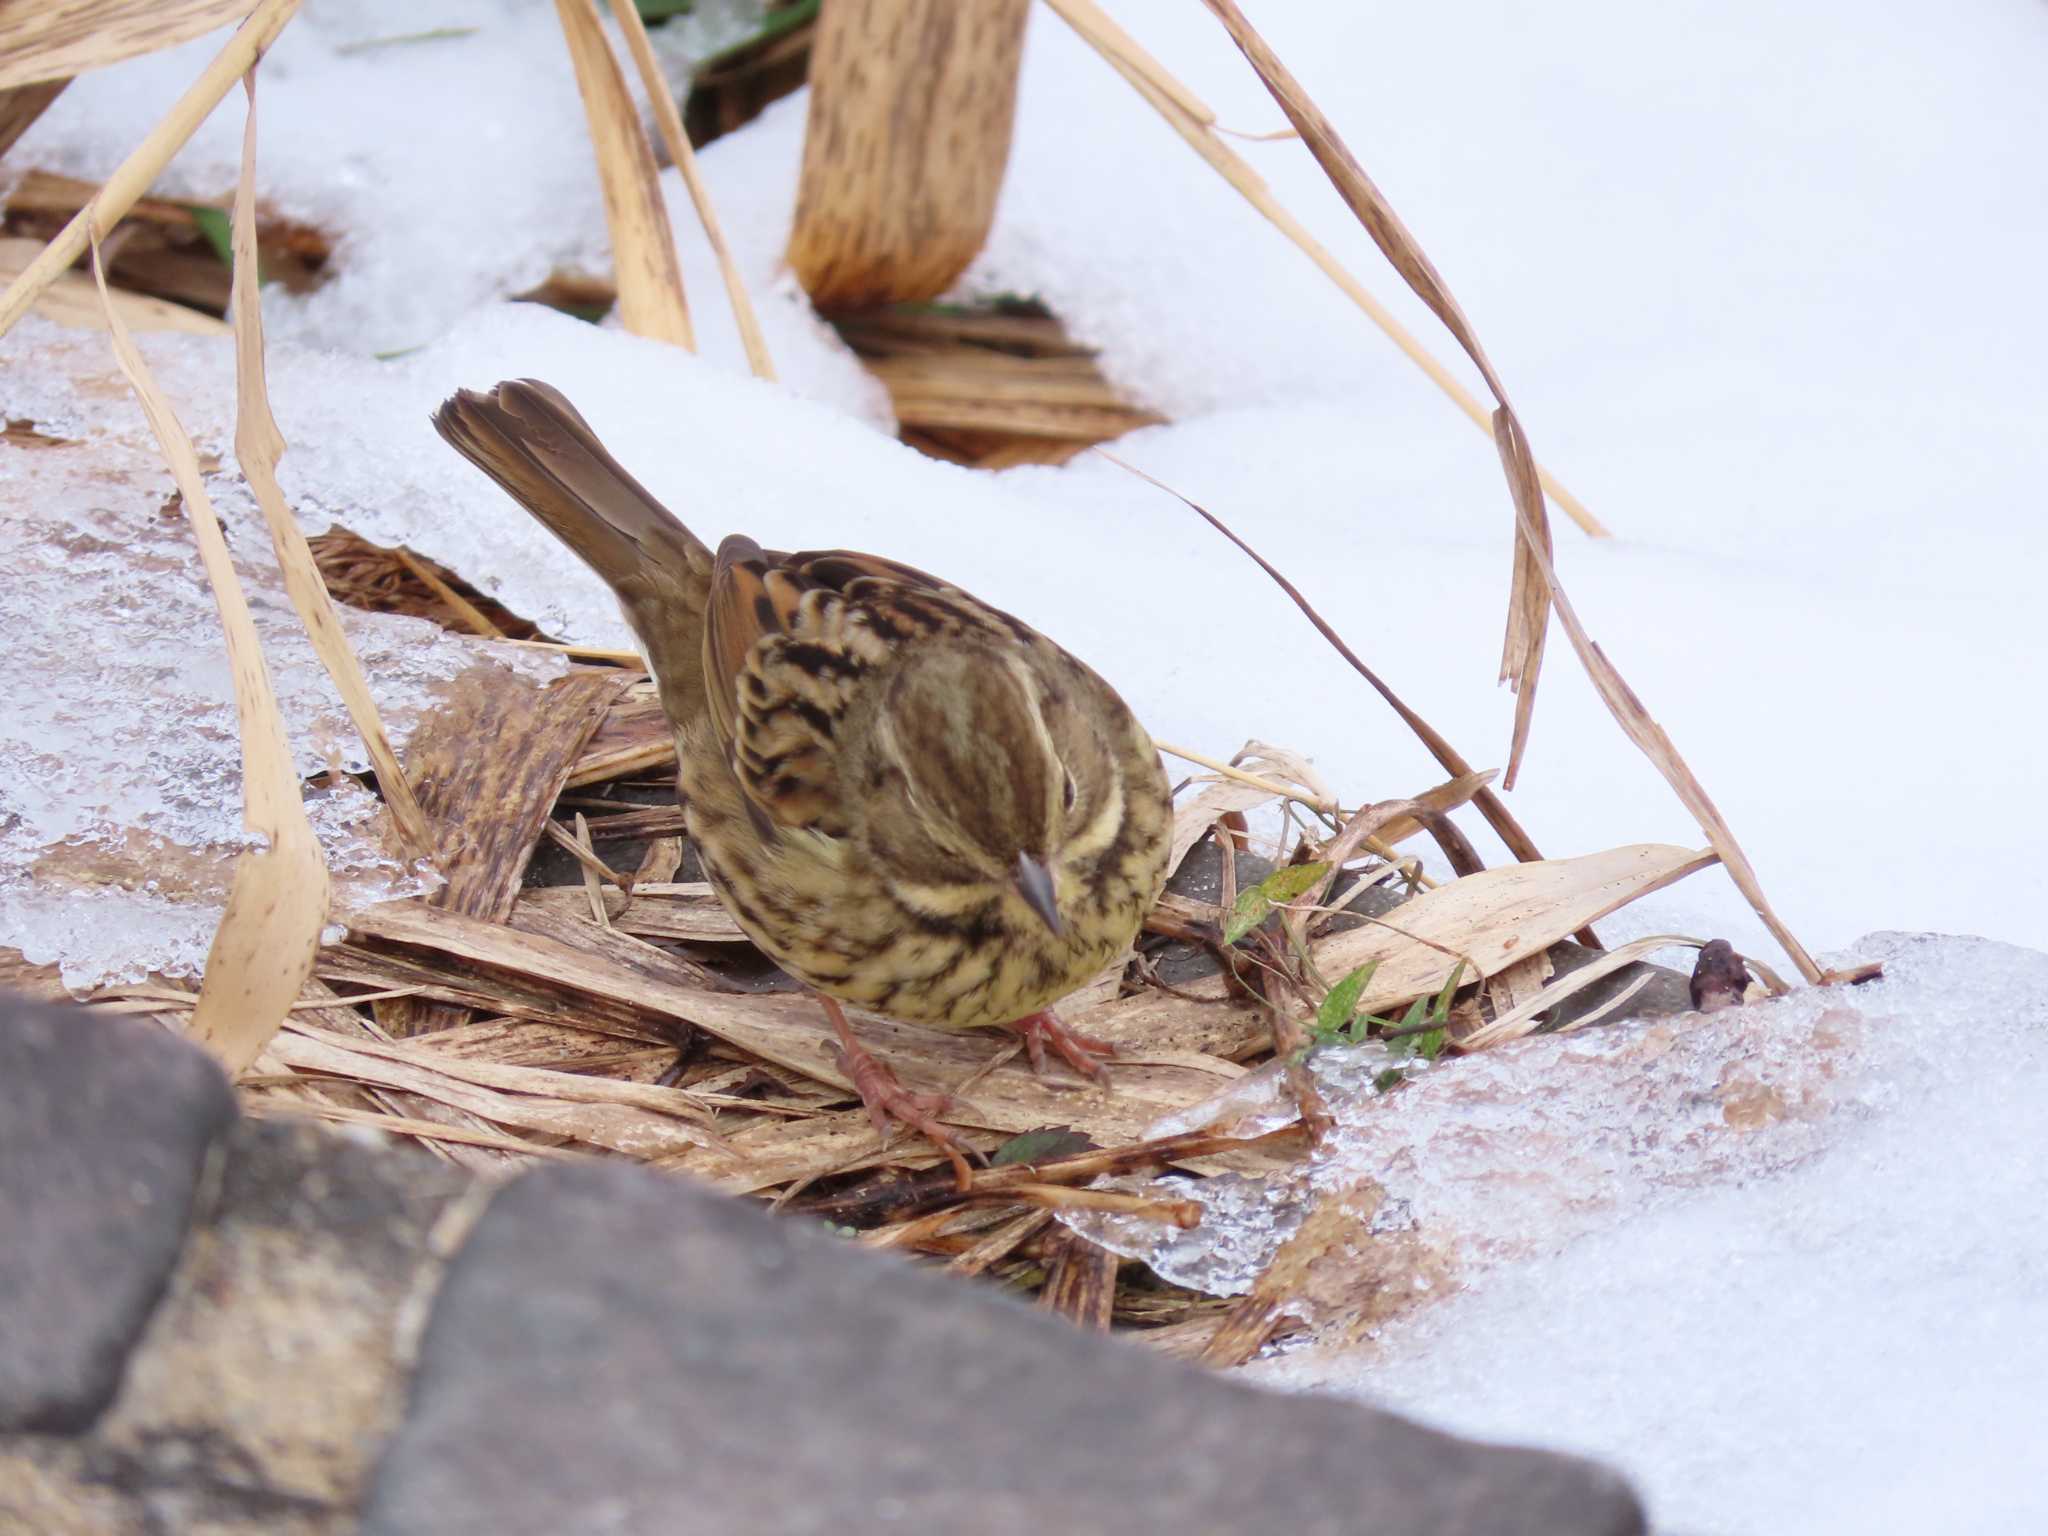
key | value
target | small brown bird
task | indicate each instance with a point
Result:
(906, 798)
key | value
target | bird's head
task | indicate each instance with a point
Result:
(985, 778)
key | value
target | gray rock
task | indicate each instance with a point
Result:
(105, 1126)
(270, 1373)
(613, 1351)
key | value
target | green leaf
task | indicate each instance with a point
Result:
(1292, 881)
(1037, 1146)
(1430, 1046)
(1280, 886)
(1340, 1005)
(1450, 991)
(218, 229)
(1389, 1080)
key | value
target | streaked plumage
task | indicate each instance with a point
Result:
(907, 798)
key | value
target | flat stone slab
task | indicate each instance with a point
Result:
(617, 1351)
(105, 1127)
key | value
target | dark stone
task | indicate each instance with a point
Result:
(105, 1125)
(617, 1351)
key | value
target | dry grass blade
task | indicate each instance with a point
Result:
(1528, 601)
(1497, 815)
(650, 279)
(627, 15)
(263, 951)
(55, 39)
(1194, 124)
(134, 175)
(258, 447)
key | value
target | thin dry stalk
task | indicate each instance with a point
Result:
(263, 951)
(627, 15)
(1528, 600)
(134, 174)
(473, 617)
(1497, 815)
(1000, 1243)
(650, 279)
(258, 446)
(1194, 124)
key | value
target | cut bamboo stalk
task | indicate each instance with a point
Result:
(912, 104)
(650, 279)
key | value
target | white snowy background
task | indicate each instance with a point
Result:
(1764, 283)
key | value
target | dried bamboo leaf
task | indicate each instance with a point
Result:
(1493, 919)
(263, 950)
(632, 1129)
(258, 446)
(132, 178)
(627, 15)
(56, 39)
(650, 279)
(73, 301)
(790, 1030)
(694, 919)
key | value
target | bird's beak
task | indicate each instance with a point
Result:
(1034, 884)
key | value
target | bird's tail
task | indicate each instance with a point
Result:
(526, 436)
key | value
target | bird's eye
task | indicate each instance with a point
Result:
(1067, 793)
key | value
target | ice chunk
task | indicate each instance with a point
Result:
(120, 756)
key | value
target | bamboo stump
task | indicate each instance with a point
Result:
(912, 103)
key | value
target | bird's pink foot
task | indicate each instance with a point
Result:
(887, 1100)
(1083, 1053)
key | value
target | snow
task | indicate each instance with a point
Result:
(1856, 1344)
(464, 173)
(1763, 282)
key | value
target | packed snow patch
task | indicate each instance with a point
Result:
(1837, 1324)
